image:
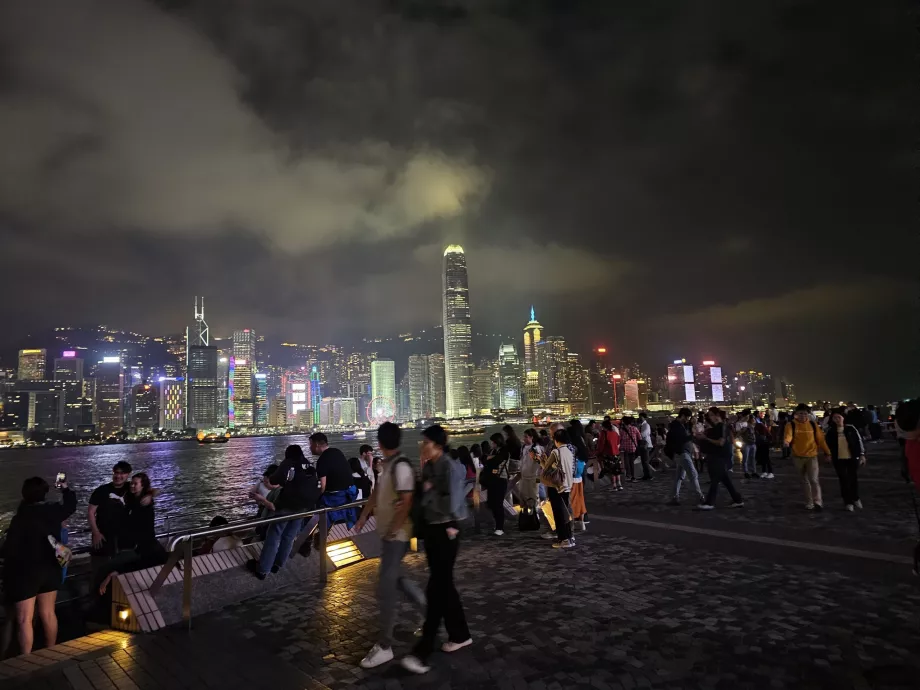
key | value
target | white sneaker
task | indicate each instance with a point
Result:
(377, 656)
(737, 504)
(451, 647)
(771, 476)
(849, 507)
(414, 664)
(706, 506)
(570, 544)
(499, 533)
(548, 535)
(579, 525)
(859, 504)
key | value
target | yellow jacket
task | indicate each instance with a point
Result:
(807, 440)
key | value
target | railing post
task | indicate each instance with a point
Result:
(187, 585)
(323, 535)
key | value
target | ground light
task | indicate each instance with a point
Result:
(344, 553)
(123, 613)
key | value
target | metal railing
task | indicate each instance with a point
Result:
(181, 548)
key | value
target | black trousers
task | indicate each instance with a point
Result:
(497, 490)
(561, 513)
(718, 473)
(847, 471)
(763, 458)
(443, 598)
(629, 464)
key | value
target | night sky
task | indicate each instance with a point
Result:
(726, 180)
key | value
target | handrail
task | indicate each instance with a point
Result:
(230, 528)
(187, 540)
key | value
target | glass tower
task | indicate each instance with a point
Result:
(457, 333)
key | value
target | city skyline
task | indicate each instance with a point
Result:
(666, 183)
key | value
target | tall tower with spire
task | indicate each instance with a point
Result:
(458, 334)
(533, 334)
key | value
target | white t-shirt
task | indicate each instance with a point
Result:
(645, 433)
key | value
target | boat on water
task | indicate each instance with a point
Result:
(213, 436)
(358, 435)
(464, 428)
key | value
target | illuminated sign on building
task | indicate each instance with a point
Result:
(110, 360)
(69, 353)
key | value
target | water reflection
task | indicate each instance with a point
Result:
(206, 480)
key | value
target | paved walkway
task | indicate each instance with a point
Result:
(633, 606)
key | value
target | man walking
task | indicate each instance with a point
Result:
(391, 502)
(680, 449)
(645, 444)
(804, 438)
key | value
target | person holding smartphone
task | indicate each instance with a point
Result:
(31, 570)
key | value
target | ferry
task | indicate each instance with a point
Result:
(358, 435)
(213, 436)
(464, 428)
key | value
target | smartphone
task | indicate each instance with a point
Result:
(60, 479)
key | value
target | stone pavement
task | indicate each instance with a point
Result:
(623, 610)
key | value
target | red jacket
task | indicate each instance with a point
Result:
(608, 443)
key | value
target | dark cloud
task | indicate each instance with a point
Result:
(735, 167)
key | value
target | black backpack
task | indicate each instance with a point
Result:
(528, 520)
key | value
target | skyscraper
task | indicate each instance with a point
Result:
(110, 381)
(532, 383)
(260, 409)
(172, 401)
(383, 380)
(419, 395)
(201, 388)
(244, 354)
(553, 364)
(436, 385)
(32, 365)
(509, 374)
(482, 388)
(68, 367)
(579, 384)
(458, 333)
(316, 393)
(144, 412)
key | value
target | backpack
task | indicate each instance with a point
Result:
(814, 429)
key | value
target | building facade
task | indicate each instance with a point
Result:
(244, 364)
(171, 403)
(110, 396)
(458, 333)
(419, 394)
(202, 388)
(436, 385)
(510, 374)
(533, 334)
(32, 364)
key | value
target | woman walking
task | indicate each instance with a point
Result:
(558, 473)
(442, 538)
(32, 567)
(498, 474)
(848, 454)
(629, 446)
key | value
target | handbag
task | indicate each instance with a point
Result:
(61, 551)
(553, 474)
(528, 520)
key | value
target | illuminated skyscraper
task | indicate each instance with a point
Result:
(201, 388)
(553, 364)
(32, 365)
(316, 394)
(260, 411)
(458, 334)
(436, 383)
(172, 401)
(244, 353)
(110, 381)
(533, 333)
(383, 380)
(419, 392)
(579, 384)
(482, 388)
(68, 367)
(510, 375)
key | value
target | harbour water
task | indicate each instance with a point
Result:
(197, 481)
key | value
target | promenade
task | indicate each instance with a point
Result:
(769, 596)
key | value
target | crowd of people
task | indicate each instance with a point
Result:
(544, 471)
